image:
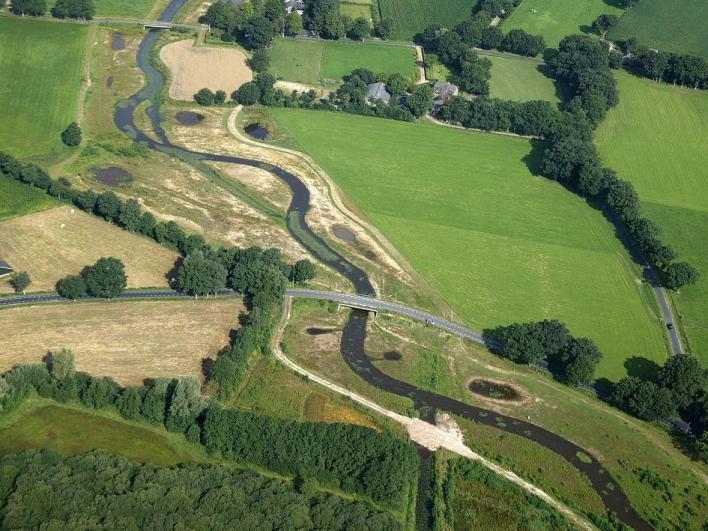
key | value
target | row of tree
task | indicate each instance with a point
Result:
(97, 490)
(678, 69)
(573, 360)
(78, 9)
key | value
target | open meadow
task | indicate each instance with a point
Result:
(131, 9)
(554, 19)
(126, 340)
(657, 137)
(413, 16)
(678, 26)
(315, 61)
(52, 244)
(518, 79)
(499, 244)
(41, 72)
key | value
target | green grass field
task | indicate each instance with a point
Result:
(499, 244)
(123, 9)
(658, 138)
(41, 65)
(554, 19)
(71, 431)
(413, 16)
(678, 26)
(520, 80)
(355, 10)
(17, 199)
(313, 61)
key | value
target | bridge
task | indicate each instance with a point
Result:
(153, 24)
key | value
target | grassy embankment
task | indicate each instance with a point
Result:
(413, 16)
(657, 137)
(554, 19)
(41, 64)
(315, 61)
(678, 26)
(499, 244)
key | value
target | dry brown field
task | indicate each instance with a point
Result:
(55, 243)
(193, 68)
(127, 340)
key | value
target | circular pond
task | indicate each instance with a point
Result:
(189, 117)
(256, 131)
(112, 175)
(495, 390)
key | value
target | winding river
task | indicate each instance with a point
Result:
(354, 335)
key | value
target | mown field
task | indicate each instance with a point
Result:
(126, 340)
(73, 431)
(520, 80)
(40, 66)
(123, 9)
(314, 61)
(499, 244)
(52, 244)
(17, 199)
(657, 137)
(554, 19)
(355, 10)
(678, 26)
(413, 16)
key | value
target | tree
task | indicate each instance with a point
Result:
(71, 136)
(397, 85)
(491, 37)
(106, 278)
(219, 97)
(129, 215)
(577, 360)
(384, 28)
(108, 206)
(258, 32)
(86, 200)
(72, 287)
(360, 29)
(653, 63)
(186, 403)
(260, 60)
(79, 9)
(519, 42)
(644, 400)
(684, 377)
(302, 271)
(322, 17)
(248, 93)
(680, 274)
(204, 97)
(19, 281)
(604, 23)
(35, 8)
(129, 403)
(420, 101)
(61, 365)
(198, 275)
(475, 74)
(293, 24)
(154, 407)
(222, 15)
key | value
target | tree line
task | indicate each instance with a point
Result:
(78, 9)
(98, 490)
(352, 458)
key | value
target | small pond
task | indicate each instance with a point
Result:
(392, 355)
(344, 233)
(109, 81)
(498, 391)
(112, 175)
(189, 117)
(313, 331)
(256, 131)
(118, 42)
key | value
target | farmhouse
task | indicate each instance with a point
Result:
(295, 5)
(5, 268)
(377, 92)
(443, 92)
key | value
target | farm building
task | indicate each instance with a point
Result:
(443, 92)
(378, 92)
(5, 268)
(295, 5)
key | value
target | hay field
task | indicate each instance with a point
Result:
(499, 244)
(38, 244)
(127, 340)
(40, 80)
(518, 79)
(193, 68)
(657, 137)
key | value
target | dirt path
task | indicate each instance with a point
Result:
(427, 435)
(420, 63)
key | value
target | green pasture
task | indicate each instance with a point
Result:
(355, 10)
(313, 61)
(554, 19)
(17, 199)
(123, 9)
(679, 26)
(657, 137)
(40, 79)
(413, 16)
(499, 244)
(518, 79)
(72, 431)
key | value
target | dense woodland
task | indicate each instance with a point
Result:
(97, 490)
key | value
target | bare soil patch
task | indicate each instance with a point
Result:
(193, 68)
(127, 340)
(52, 244)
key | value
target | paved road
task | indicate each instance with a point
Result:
(666, 312)
(16, 300)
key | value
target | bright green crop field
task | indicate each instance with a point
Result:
(40, 79)
(520, 80)
(413, 16)
(554, 19)
(125, 9)
(657, 137)
(679, 26)
(499, 244)
(313, 61)
(17, 199)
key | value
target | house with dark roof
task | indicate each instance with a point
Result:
(443, 92)
(5, 268)
(377, 92)
(295, 5)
